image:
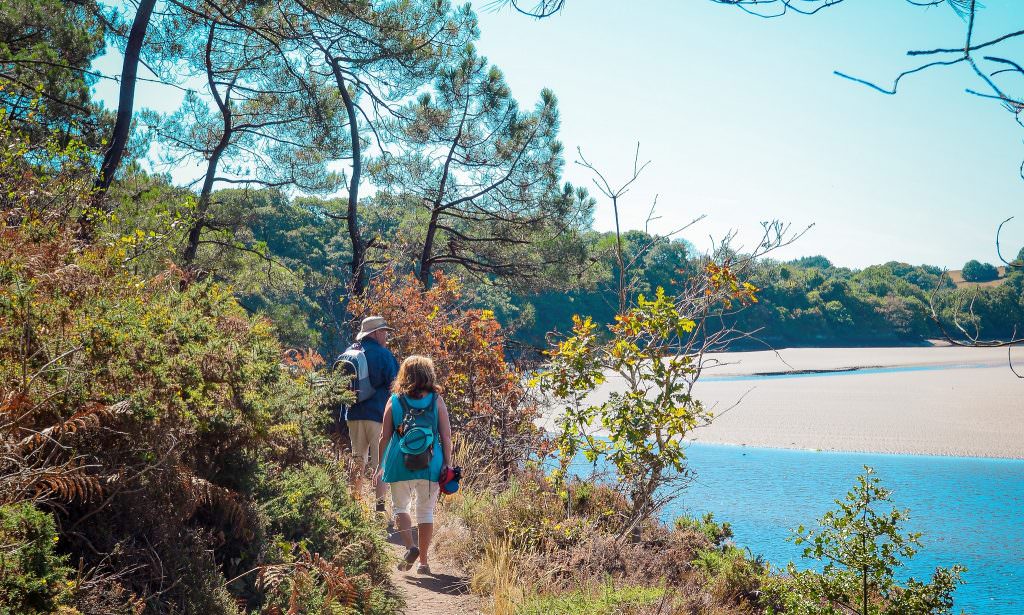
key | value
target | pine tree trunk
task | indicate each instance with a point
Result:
(203, 206)
(352, 217)
(126, 97)
(123, 123)
(428, 248)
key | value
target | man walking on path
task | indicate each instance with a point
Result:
(364, 418)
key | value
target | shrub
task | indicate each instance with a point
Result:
(975, 271)
(603, 600)
(717, 533)
(485, 394)
(656, 348)
(730, 575)
(534, 541)
(861, 545)
(311, 506)
(33, 577)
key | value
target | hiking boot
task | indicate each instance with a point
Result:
(411, 554)
(423, 569)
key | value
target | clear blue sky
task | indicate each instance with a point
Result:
(744, 121)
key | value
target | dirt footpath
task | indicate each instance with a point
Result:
(441, 593)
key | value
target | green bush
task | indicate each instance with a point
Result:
(729, 573)
(975, 271)
(861, 544)
(33, 577)
(606, 600)
(314, 519)
(312, 506)
(169, 421)
(717, 533)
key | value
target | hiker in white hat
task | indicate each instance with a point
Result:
(373, 368)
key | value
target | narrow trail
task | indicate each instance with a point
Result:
(444, 592)
(440, 593)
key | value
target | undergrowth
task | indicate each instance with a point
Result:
(160, 452)
(529, 546)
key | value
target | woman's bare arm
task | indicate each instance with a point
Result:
(445, 429)
(387, 428)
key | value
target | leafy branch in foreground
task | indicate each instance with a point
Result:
(657, 348)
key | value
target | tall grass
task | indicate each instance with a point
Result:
(497, 575)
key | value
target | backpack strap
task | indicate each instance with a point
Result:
(405, 405)
(395, 421)
(409, 416)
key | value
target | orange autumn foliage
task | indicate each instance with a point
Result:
(486, 395)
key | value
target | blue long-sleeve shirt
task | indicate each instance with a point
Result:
(383, 368)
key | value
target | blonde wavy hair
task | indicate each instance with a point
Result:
(416, 377)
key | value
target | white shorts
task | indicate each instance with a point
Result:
(365, 437)
(426, 496)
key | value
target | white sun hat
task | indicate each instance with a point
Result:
(371, 324)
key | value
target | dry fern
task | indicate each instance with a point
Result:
(75, 485)
(92, 417)
(341, 588)
(226, 502)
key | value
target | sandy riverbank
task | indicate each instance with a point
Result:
(952, 401)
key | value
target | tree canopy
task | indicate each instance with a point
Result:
(46, 51)
(975, 271)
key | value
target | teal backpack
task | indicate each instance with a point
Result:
(416, 442)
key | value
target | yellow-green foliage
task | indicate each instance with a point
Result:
(310, 510)
(644, 424)
(604, 600)
(717, 533)
(862, 542)
(538, 541)
(529, 514)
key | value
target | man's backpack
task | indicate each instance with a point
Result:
(353, 363)
(416, 442)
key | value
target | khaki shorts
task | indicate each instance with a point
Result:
(365, 437)
(426, 496)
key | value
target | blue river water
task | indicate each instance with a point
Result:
(968, 509)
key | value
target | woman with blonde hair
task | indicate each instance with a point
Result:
(415, 445)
